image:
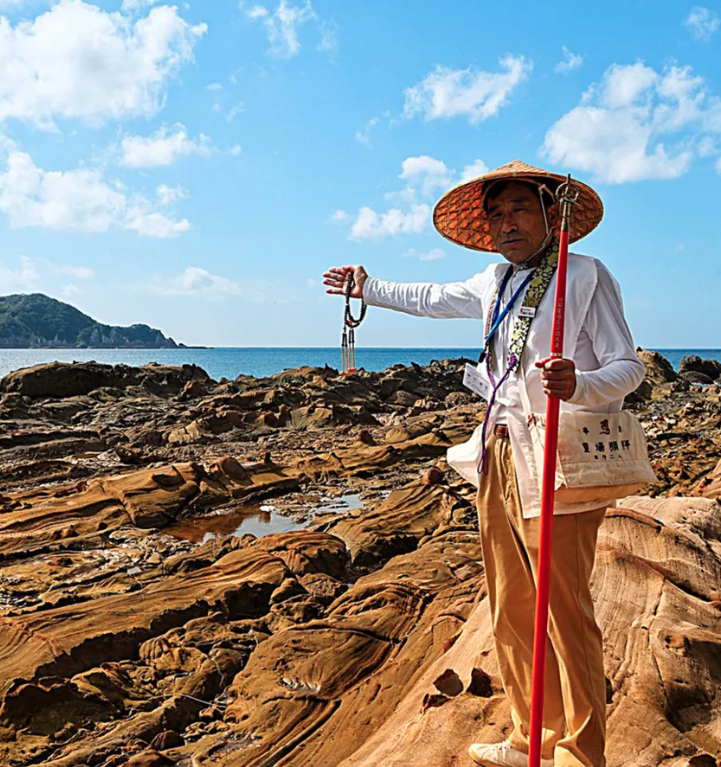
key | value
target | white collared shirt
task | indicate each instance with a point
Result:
(597, 339)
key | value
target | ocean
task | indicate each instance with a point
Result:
(231, 362)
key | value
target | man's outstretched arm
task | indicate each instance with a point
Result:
(422, 299)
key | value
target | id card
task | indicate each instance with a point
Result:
(473, 380)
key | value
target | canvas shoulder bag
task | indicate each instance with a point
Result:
(601, 456)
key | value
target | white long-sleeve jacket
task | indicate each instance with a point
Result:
(597, 339)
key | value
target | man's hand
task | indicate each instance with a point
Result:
(558, 377)
(337, 276)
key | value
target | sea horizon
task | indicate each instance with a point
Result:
(260, 361)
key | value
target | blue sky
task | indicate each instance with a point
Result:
(197, 167)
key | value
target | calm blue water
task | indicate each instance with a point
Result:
(229, 363)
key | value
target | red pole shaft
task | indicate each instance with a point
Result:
(547, 502)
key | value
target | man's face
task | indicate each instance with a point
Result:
(516, 222)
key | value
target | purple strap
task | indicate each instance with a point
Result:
(512, 362)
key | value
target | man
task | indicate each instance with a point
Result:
(512, 210)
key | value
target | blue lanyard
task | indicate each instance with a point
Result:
(498, 315)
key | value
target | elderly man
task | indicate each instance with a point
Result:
(512, 211)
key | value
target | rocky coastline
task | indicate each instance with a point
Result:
(284, 571)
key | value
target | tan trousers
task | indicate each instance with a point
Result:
(575, 690)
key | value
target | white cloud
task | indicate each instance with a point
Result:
(340, 215)
(281, 27)
(234, 111)
(26, 276)
(163, 148)
(195, 281)
(364, 136)
(9, 4)
(78, 61)
(470, 93)
(328, 40)
(78, 272)
(80, 200)
(214, 87)
(371, 226)
(702, 23)
(474, 170)
(155, 225)
(431, 255)
(312, 283)
(136, 5)
(718, 166)
(70, 290)
(570, 62)
(168, 195)
(257, 12)
(636, 124)
(424, 176)
(23, 278)
(427, 172)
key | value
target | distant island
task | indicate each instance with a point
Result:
(36, 321)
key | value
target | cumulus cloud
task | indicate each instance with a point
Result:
(137, 5)
(430, 255)
(474, 170)
(636, 124)
(78, 61)
(77, 200)
(195, 281)
(371, 225)
(570, 62)
(282, 27)
(424, 177)
(470, 93)
(426, 174)
(702, 23)
(163, 148)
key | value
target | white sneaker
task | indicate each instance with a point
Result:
(501, 755)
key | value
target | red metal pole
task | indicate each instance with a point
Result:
(540, 638)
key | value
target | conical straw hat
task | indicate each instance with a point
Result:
(460, 218)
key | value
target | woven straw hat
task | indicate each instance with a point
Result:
(460, 218)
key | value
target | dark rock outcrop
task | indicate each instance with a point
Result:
(694, 364)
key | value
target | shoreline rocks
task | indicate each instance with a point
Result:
(350, 628)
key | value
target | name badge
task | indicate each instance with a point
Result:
(473, 380)
(527, 311)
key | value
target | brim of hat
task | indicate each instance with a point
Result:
(459, 215)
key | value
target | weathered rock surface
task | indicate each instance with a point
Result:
(141, 625)
(694, 364)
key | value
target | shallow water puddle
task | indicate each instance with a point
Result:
(347, 502)
(259, 520)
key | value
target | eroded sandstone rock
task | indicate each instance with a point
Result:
(363, 639)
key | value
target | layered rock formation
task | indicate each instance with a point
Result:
(141, 625)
